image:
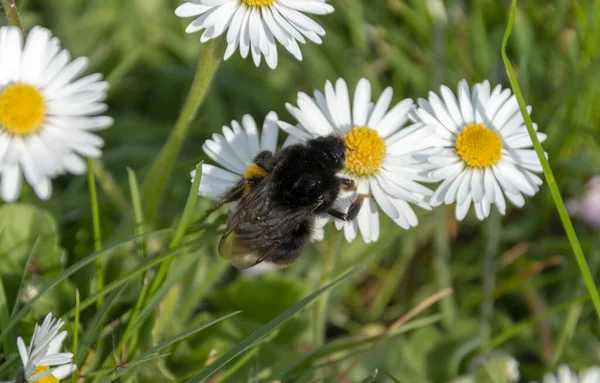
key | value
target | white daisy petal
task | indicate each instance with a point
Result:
(350, 230)
(270, 132)
(383, 152)
(479, 148)
(343, 105)
(255, 27)
(53, 115)
(43, 352)
(362, 97)
(463, 208)
(381, 107)
(395, 118)
(235, 150)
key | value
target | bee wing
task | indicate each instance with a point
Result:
(249, 207)
(259, 224)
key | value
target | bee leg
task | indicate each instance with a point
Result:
(355, 206)
(337, 214)
(233, 195)
(348, 184)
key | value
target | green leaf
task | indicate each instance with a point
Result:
(261, 299)
(259, 334)
(21, 226)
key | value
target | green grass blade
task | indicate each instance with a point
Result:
(167, 343)
(158, 295)
(8, 342)
(182, 226)
(131, 275)
(96, 227)
(67, 273)
(76, 331)
(8, 363)
(548, 174)
(93, 327)
(522, 325)
(259, 334)
(392, 378)
(158, 176)
(138, 213)
(347, 345)
(27, 266)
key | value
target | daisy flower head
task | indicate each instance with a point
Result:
(254, 25)
(384, 157)
(47, 115)
(565, 375)
(483, 150)
(234, 151)
(42, 361)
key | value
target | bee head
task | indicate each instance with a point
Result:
(332, 146)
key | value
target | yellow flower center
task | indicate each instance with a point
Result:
(366, 151)
(258, 3)
(48, 379)
(22, 109)
(479, 146)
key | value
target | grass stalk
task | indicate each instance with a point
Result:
(109, 186)
(552, 185)
(157, 178)
(76, 331)
(8, 343)
(182, 226)
(12, 14)
(441, 264)
(571, 319)
(493, 226)
(96, 227)
(320, 312)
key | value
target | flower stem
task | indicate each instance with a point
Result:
(558, 201)
(493, 226)
(109, 186)
(12, 14)
(320, 313)
(157, 178)
(96, 226)
(441, 265)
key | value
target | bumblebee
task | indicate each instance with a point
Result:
(280, 200)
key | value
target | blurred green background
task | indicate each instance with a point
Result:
(413, 46)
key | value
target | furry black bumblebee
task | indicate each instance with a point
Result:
(280, 200)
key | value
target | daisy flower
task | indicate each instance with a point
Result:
(254, 25)
(46, 116)
(42, 353)
(566, 375)
(384, 158)
(484, 151)
(234, 151)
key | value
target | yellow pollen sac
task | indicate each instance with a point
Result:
(22, 109)
(366, 151)
(48, 379)
(479, 146)
(254, 171)
(258, 3)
